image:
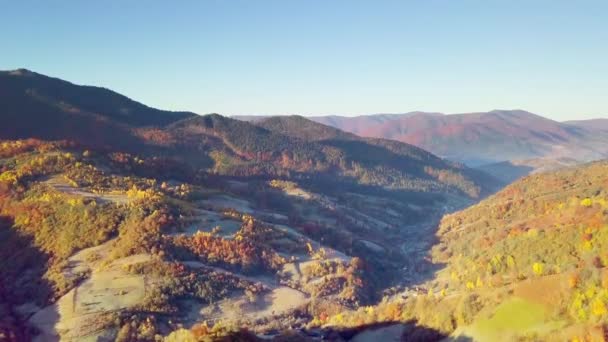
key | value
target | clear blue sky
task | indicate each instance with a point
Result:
(322, 57)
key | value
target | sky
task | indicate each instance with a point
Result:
(343, 57)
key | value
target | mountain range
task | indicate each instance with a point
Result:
(99, 117)
(486, 137)
(119, 221)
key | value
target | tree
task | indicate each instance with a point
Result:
(598, 308)
(181, 335)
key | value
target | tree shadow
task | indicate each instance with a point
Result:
(378, 332)
(22, 267)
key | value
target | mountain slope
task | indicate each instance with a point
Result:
(279, 146)
(399, 155)
(538, 244)
(593, 124)
(49, 108)
(483, 138)
(361, 124)
(303, 128)
(86, 99)
(528, 263)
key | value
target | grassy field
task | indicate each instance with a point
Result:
(514, 318)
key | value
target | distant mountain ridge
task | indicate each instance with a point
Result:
(593, 124)
(487, 137)
(483, 138)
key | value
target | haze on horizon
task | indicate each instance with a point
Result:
(316, 57)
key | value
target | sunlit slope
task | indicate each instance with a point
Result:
(539, 246)
(528, 263)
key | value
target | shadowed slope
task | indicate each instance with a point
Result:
(37, 106)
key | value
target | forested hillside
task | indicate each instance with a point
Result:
(538, 245)
(528, 263)
(372, 152)
(48, 108)
(116, 226)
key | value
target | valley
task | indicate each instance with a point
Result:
(304, 171)
(123, 222)
(282, 264)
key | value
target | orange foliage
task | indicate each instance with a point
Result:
(240, 253)
(605, 280)
(200, 330)
(156, 136)
(573, 280)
